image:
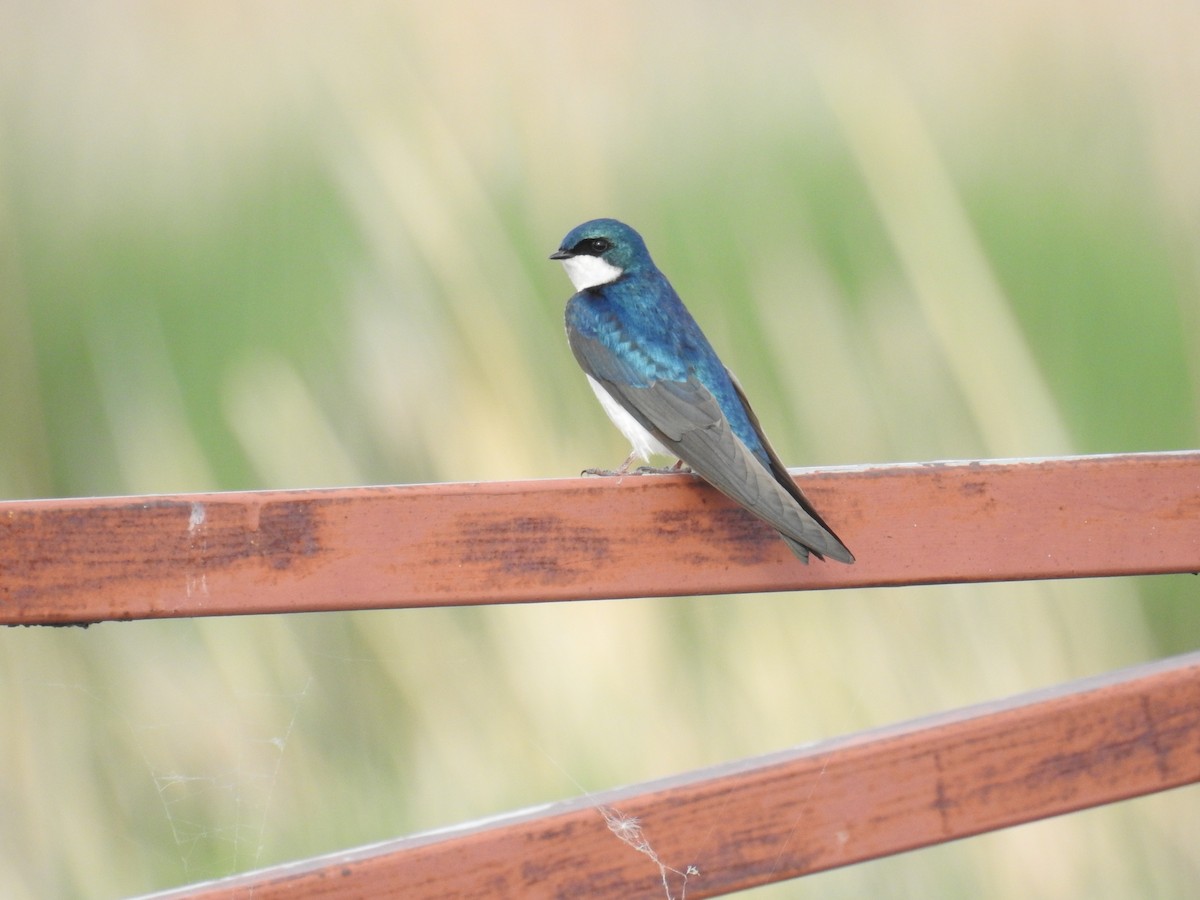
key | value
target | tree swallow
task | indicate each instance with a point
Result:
(661, 383)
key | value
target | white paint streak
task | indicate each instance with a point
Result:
(192, 583)
(196, 519)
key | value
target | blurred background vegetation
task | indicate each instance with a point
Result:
(288, 245)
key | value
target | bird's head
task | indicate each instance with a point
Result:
(601, 251)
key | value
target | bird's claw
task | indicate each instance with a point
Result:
(678, 469)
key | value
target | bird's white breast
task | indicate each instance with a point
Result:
(590, 271)
(644, 443)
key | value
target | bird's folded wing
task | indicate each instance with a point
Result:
(687, 419)
(840, 551)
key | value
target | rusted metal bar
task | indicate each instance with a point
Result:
(445, 544)
(778, 817)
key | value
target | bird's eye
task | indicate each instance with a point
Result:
(596, 246)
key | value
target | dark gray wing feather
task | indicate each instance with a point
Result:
(840, 551)
(686, 418)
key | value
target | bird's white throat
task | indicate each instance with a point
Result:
(590, 271)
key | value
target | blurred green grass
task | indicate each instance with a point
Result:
(248, 248)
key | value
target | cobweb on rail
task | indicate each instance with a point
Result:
(241, 795)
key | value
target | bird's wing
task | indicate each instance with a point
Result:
(687, 419)
(841, 552)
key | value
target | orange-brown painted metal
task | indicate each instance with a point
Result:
(88, 560)
(774, 818)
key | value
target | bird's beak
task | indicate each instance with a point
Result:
(561, 254)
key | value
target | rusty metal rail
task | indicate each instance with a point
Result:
(777, 817)
(438, 545)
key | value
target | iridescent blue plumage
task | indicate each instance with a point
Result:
(663, 385)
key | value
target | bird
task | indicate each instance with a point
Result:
(661, 383)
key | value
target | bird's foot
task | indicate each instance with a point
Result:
(677, 469)
(608, 473)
